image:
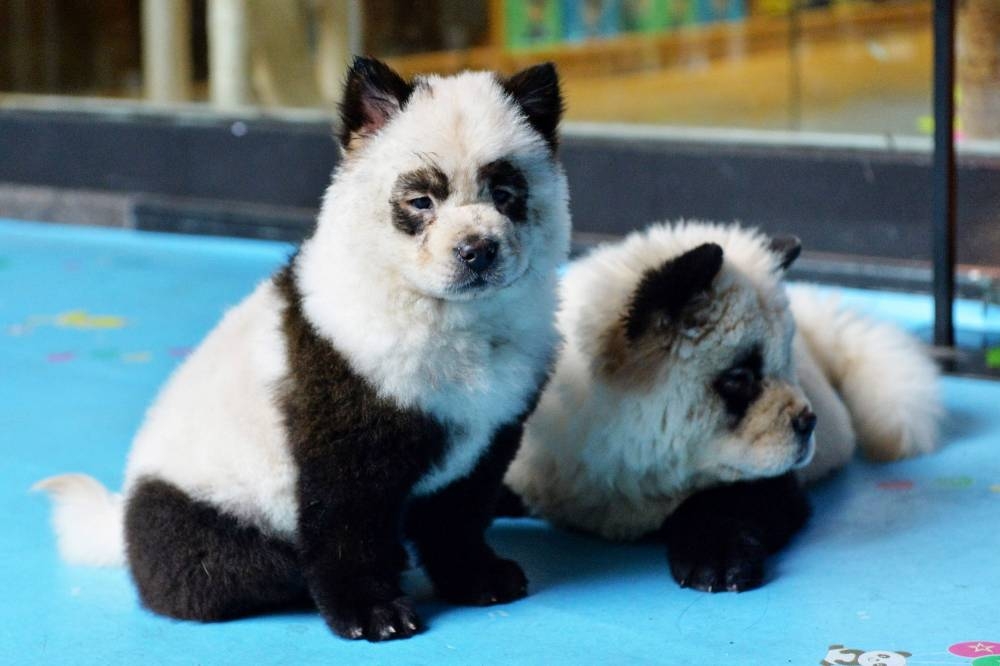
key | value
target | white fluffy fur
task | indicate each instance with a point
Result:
(885, 377)
(617, 459)
(382, 298)
(87, 520)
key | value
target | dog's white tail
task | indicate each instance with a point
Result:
(88, 520)
(885, 376)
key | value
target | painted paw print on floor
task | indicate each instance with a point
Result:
(838, 654)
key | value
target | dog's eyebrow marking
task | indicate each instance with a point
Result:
(503, 173)
(429, 179)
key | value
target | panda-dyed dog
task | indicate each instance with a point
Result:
(684, 401)
(373, 391)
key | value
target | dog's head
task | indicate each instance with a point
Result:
(450, 185)
(698, 348)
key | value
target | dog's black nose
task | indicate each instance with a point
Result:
(804, 423)
(477, 253)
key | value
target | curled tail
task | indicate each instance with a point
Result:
(885, 376)
(87, 518)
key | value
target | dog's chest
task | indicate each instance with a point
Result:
(499, 378)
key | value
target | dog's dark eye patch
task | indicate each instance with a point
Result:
(506, 187)
(426, 180)
(415, 186)
(740, 384)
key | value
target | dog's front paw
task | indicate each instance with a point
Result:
(493, 581)
(730, 561)
(375, 620)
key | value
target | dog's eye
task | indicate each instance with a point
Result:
(737, 379)
(501, 196)
(422, 203)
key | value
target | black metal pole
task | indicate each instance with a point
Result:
(943, 173)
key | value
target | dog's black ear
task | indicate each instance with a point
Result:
(664, 292)
(788, 249)
(372, 95)
(536, 90)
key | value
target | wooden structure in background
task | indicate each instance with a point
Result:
(979, 68)
(228, 53)
(166, 50)
(731, 74)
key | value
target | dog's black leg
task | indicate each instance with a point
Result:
(719, 538)
(448, 530)
(509, 504)
(349, 541)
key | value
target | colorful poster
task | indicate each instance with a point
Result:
(681, 12)
(532, 23)
(644, 15)
(711, 11)
(590, 19)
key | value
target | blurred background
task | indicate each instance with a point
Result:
(804, 116)
(827, 65)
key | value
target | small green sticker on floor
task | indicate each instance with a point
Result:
(954, 482)
(993, 357)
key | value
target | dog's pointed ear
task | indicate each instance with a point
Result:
(787, 249)
(536, 90)
(373, 94)
(664, 292)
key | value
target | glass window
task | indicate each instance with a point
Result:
(858, 66)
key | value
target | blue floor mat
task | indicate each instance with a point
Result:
(900, 557)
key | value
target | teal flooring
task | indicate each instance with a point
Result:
(902, 557)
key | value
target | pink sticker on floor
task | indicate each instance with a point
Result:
(975, 649)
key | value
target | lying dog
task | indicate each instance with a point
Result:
(374, 389)
(682, 371)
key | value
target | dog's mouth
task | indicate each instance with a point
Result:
(477, 285)
(806, 452)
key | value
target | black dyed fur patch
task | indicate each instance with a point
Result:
(192, 562)
(428, 180)
(536, 90)
(719, 539)
(664, 292)
(788, 249)
(448, 529)
(510, 504)
(740, 385)
(507, 187)
(372, 95)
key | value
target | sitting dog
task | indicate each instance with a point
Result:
(373, 390)
(683, 399)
